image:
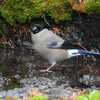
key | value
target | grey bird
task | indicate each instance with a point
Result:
(50, 46)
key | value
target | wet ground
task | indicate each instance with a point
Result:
(16, 65)
(19, 71)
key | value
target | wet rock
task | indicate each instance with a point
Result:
(90, 80)
(55, 93)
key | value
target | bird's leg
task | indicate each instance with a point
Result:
(51, 66)
(48, 69)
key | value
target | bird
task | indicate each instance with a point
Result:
(74, 49)
(54, 48)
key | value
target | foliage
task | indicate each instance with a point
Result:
(3, 27)
(37, 98)
(92, 6)
(4, 45)
(94, 95)
(21, 11)
(59, 10)
(17, 10)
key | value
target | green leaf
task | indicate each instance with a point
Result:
(1, 98)
(82, 98)
(39, 98)
(94, 95)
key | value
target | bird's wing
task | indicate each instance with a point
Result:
(65, 45)
(68, 45)
(54, 44)
(48, 37)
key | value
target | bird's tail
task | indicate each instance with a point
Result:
(80, 52)
(84, 52)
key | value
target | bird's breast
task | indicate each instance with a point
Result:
(51, 54)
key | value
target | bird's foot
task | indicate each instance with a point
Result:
(46, 71)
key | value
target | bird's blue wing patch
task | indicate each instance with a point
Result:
(52, 44)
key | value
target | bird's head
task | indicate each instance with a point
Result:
(35, 29)
(39, 33)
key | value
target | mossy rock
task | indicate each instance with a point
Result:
(92, 6)
(22, 11)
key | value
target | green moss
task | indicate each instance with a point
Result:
(16, 11)
(60, 10)
(3, 27)
(22, 11)
(92, 6)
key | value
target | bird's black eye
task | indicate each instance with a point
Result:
(35, 29)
